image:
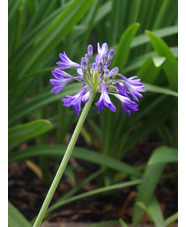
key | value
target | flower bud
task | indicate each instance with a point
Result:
(84, 65)
(105, 59)
(110, 55)
(114, 72)
(106, 73)
(87, 58)
(90, 51)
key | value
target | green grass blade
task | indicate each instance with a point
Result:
(137, 62)
(154, 212)
(155, 117)
(149, 71)
(151, 178)
(122, 223)
(123, 46)
(167, 9)
(41, 100)
(60, 203)
(171, 64)
(161, 33)
(29, 38)
(104, 9)
(52, 36)
(115, 19)
(15, 218)
(171, 219)
(164, 155)
(38, 15)
(161, 90)
(24, 132)
(89, 25)
(13, 8)
(79, 153)
(81, 184)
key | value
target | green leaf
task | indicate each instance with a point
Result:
(81, 184)
(24, 132)
(15, 218)
(41, 100)
(158, 61)
(161, 90)
(123, 46)
(163, 32)
(164, 155)
(122, 223)
(158, 114)
(104, 9)
(154, 212)
(79, 153)
(151, 178)
(171, 65)
(149, 71)
(171, 219)
(13, 8)
(52, 36)
(137, 62)
(60, 202)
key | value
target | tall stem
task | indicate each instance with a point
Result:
(64, 161)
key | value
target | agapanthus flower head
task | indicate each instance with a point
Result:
(98, 78)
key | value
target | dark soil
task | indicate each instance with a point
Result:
(27, 191)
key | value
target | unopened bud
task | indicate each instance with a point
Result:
(90, 51)
(110, 55)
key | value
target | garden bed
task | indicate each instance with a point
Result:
(27, 192)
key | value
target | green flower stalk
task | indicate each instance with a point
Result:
(64, 161)
(96, 78)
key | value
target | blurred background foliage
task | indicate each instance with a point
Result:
(144, 36)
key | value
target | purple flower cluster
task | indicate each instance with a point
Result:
(96, 77)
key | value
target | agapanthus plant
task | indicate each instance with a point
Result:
(96, 77)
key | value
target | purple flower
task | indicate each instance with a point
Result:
(126, 104)
(61, 72)
(66, 63)
(80, 76)
(134, 87)
(114, 72)
(122, 89)
(104, 100)
(74, 101)
(97, 77)
(59, 82)
(86, 97)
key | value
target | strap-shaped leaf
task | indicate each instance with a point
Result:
(160, 157)
(161, 90)
(52, 36)
(24, 132)
(79, 153)
(171, 65)
(123, 46)
(41, 100)
(15, 218)
(154, 212)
